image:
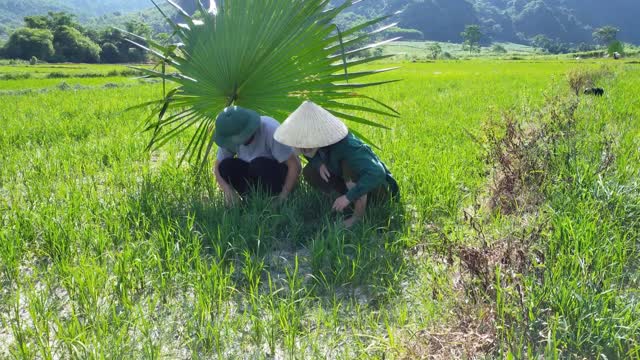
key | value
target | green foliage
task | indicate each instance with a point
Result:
(542, 42)
(605, 35)
(126, 52)
(75, 43)
(25, 43)
(69, 42)
(110, 53)
(287, 52)
(472, 36)
(405, 34)
(33, 61)
(569, 21)
(616, 47)
(498, 49)
(37, 22)
(72, 46)
(434, 50)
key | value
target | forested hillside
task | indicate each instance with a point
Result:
(13, 11)
(570, 21)
(510, 20)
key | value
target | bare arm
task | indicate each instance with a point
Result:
(360, 207)
(293, 171)
(230, 195)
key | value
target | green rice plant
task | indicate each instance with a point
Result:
(290, 315)
(83, 207)
(288, 51)
(573, 298)
(21, 346)
(11, 252)
(252, 270)
(41, 308)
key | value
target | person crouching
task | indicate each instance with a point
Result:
(249, 157)
(338, 160)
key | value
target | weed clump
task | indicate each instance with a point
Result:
(15, 76)
(520, 154)
(579, 79)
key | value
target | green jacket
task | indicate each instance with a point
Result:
(368, 171)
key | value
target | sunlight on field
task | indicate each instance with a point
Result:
(110, 251)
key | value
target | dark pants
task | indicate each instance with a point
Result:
(262, 173)
(339, 184)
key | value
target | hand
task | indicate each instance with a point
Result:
(324, 173)
(231, 198)
(350, 221)
(341, 203)
(282, 198)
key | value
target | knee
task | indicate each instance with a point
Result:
(227, 167)
(262, 166)
(309, 173)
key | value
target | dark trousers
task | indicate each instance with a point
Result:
(339, 184)
(262, 173)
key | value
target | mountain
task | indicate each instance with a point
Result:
(96, 8)
(570, 21)
(509, 20)
(13, 11)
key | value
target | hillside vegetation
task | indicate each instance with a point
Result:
(569, 21)
(509, 20)
(12, 12)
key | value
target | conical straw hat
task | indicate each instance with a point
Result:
(310, 126)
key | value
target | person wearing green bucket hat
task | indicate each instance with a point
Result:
(249, 157)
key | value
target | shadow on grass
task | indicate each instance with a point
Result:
(365, 261)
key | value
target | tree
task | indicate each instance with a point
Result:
(434, 50)
(36, 22)
(25, 43)
(541, 42)
(125, 52)
(52, 21)
(498, 49)
(605, 35)
(616, 47)
(59, 19)
(584, 47)
(163, 38)
(71, 41)
(110, 53)
(71, 45)
(138, 28)
(471, 36)
(135, 55)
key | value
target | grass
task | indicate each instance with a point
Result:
(109, 251)
(420, 50)
(22, 77)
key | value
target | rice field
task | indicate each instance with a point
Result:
(517, 235)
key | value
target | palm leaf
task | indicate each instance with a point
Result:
(266, 55)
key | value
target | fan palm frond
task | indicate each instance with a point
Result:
(266, 55)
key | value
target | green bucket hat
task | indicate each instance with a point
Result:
(235, 126)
